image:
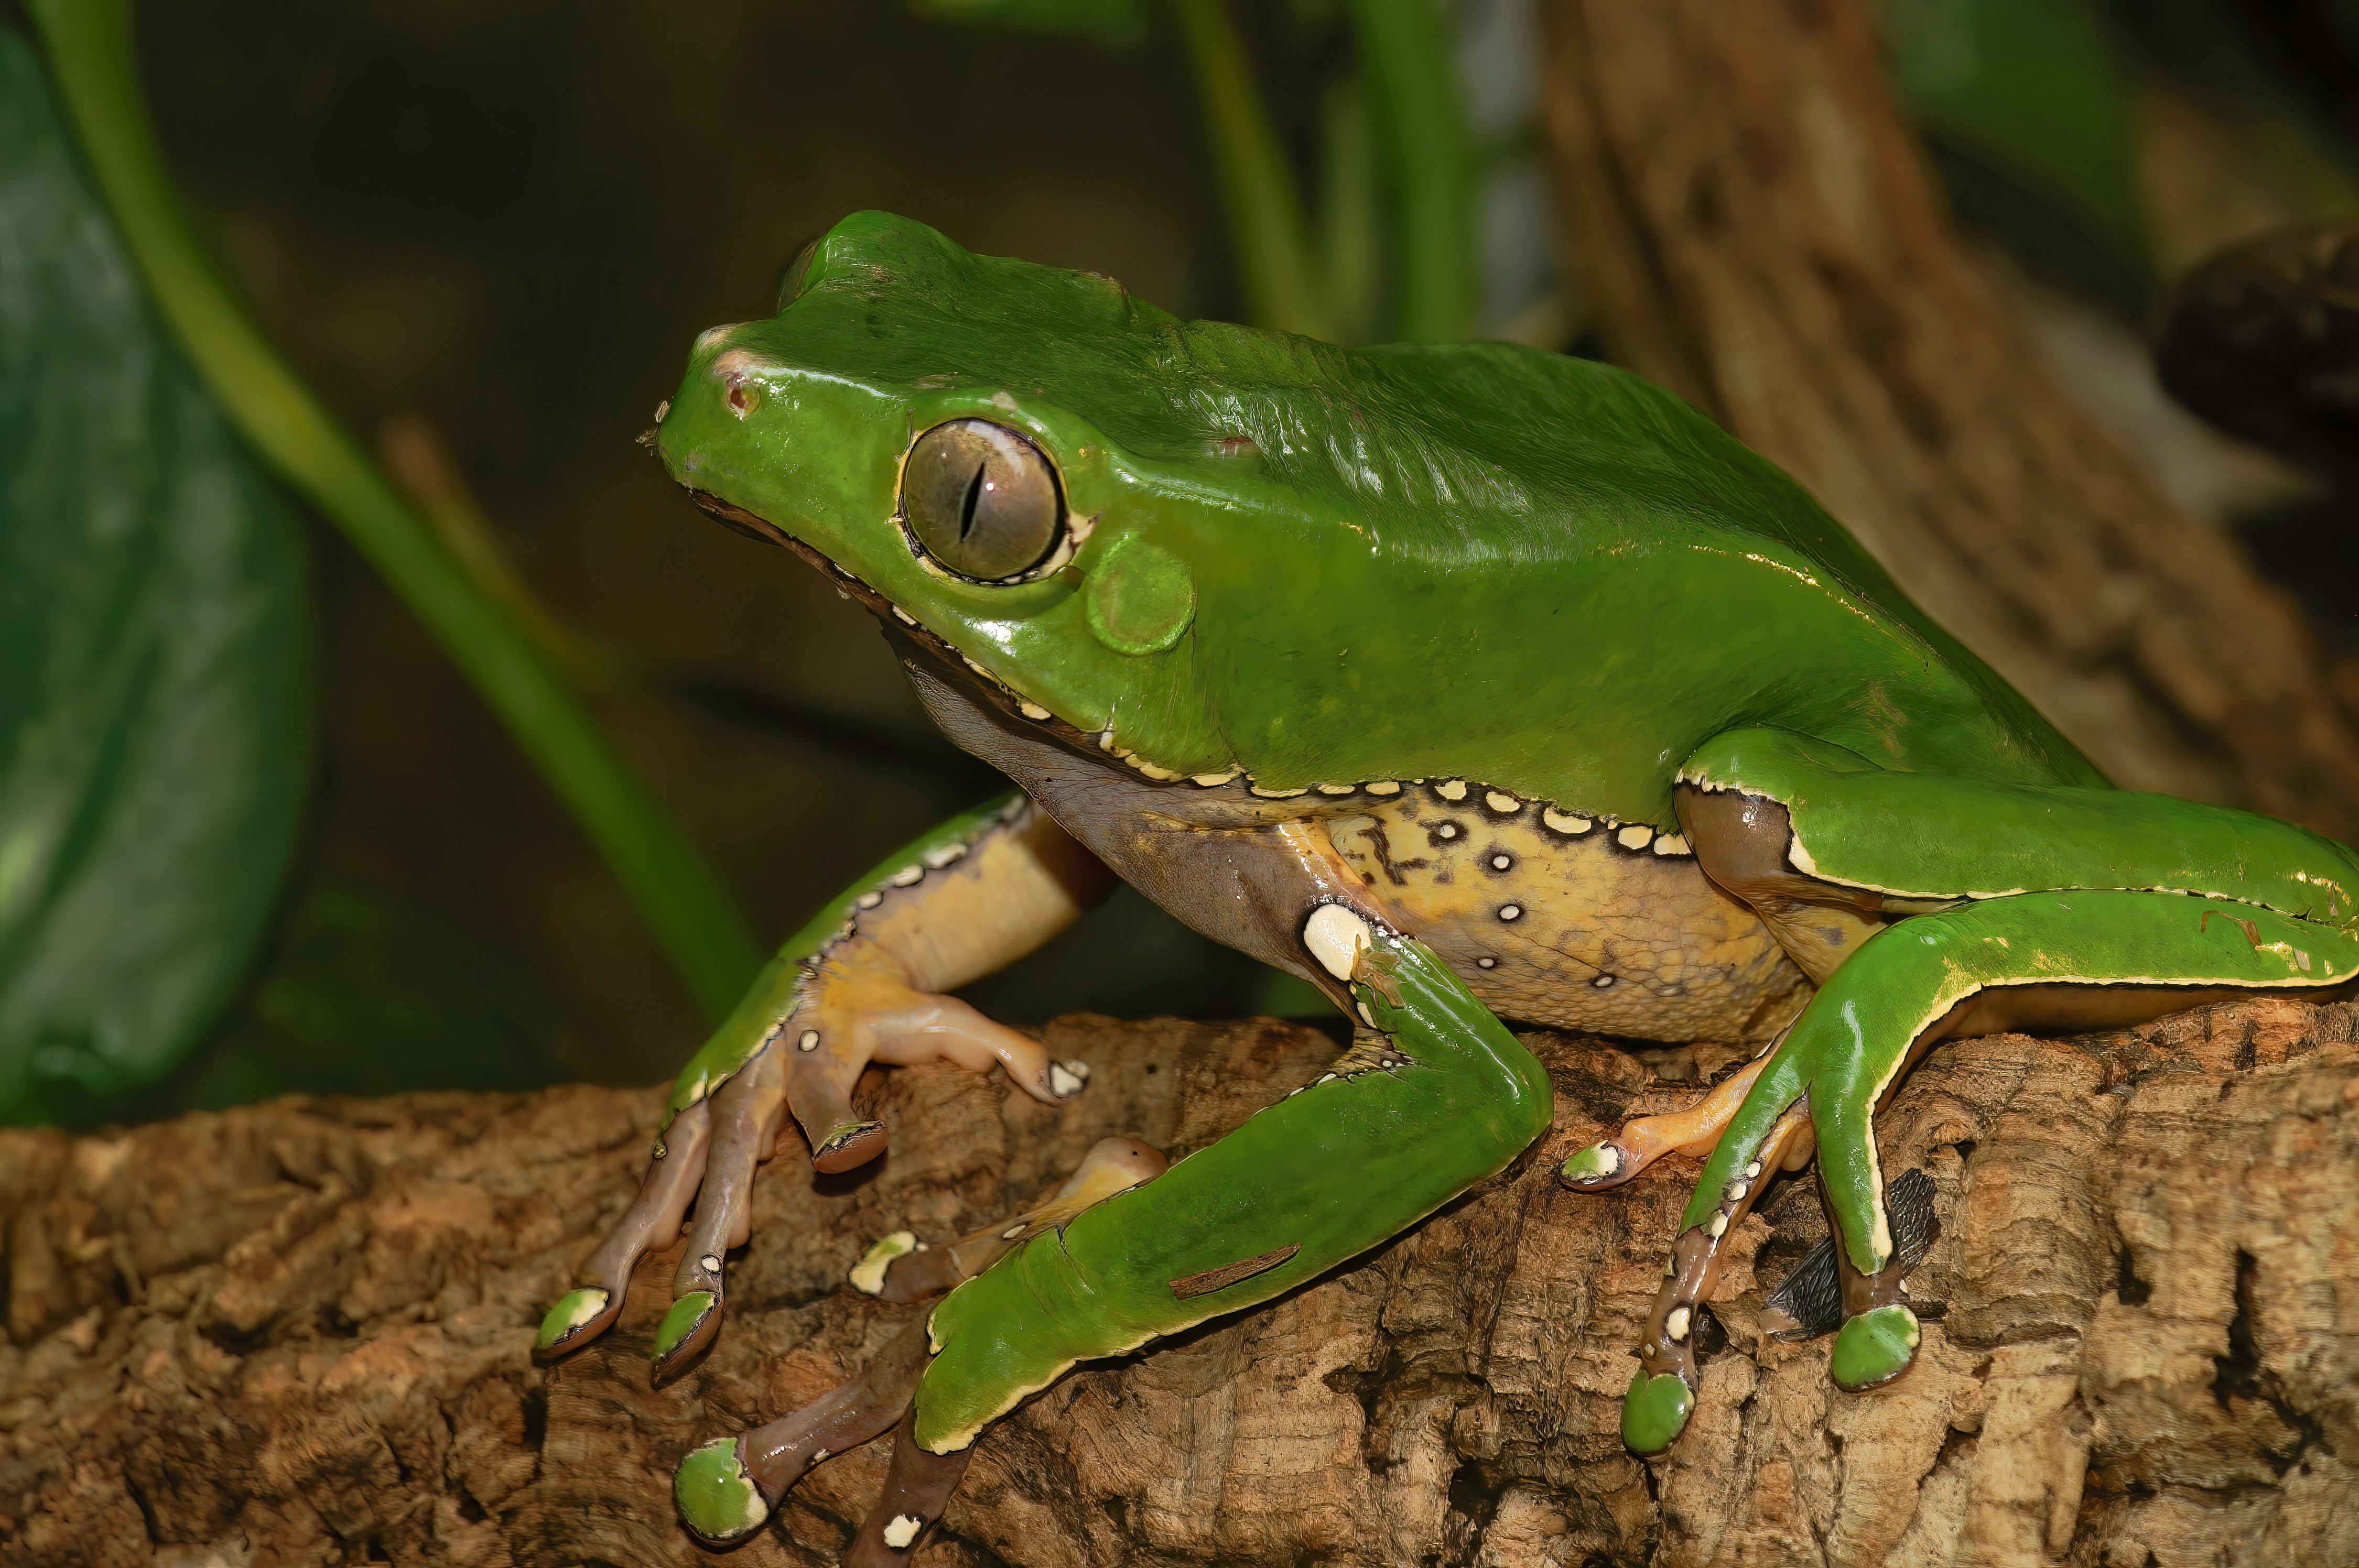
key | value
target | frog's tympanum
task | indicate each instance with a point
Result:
(1467, 683)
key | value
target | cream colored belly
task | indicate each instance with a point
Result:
(1592, 931)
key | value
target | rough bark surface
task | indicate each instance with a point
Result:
(298, 1333)
(1755, 229)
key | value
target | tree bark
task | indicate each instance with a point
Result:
(298, 1333)
(1756, 229)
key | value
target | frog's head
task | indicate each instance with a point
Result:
(1200, 546)
(926, 424)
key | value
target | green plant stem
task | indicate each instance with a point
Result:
(1411, 73)
(94, 62)
(1267, 228)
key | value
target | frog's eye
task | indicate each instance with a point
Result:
(981, 499)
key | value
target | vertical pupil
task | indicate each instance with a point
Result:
(973, 499)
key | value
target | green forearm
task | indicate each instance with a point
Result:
(1321, 1177)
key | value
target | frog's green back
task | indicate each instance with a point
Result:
(1509, 513)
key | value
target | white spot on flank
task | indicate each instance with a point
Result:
(1212, 781)
(906, 619)
(1336, 937)
(870, 899)
(710, 1263)
(1634, 837)
(1383, 786)
(1486, 963)
(1511, 912)
(1279, 794)
(810, 1042)
(661, 409)
(1503, 803)
(819, 1455)
(946, 854)
(1752, 1169)
(1366, 1016)
(1675, 1327)
(1501, 862)
(1032, 710)
(1602, 982)
(1451, 789)
(903, 1530)
(1078, 1067)
(1718, 1227)
(1672, 844)
(1337, 789)
(1012, 1232)
(1062, 1082)
(1736, 1191)
(1447, 830)
(1566, 822)
(909, 876)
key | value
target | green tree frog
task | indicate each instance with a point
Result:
(1466, 683)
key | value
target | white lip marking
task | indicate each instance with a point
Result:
(1336, 937)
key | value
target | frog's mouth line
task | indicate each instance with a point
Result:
(737, 520)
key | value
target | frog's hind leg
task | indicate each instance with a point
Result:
(2028, 960)
(651, 1222)
(1643, 1139)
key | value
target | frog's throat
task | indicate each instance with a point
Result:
(1100, 747)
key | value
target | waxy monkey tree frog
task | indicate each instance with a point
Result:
(1467, 683)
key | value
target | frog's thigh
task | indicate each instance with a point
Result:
(2035, 960)
(1435, 1095)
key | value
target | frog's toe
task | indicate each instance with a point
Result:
(590, 1309)
(1655, 1410)
(916, 1489)
(848, 1145)
(690, 1324)
(1874, 1347)
(582, 1313)
(1604, 1163)
(716, 1497)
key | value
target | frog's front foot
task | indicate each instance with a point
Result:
(803, 1066)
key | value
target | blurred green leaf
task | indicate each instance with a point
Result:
(2036, 91)
(1106, 21)
(365, 994)
(155, 656)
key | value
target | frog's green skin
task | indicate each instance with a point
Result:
(1462, 681)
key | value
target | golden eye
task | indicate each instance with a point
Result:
(981, 499)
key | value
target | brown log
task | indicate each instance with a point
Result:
(298, 1332)
(1755, 228)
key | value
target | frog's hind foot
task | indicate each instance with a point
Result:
(1810, 1302)
(916, 1489)
(1611, 1162)
(899, 1268)
(727, 1487)
(1662, 1393)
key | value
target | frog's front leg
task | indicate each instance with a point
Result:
(1435, 1096)
(862, 982)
